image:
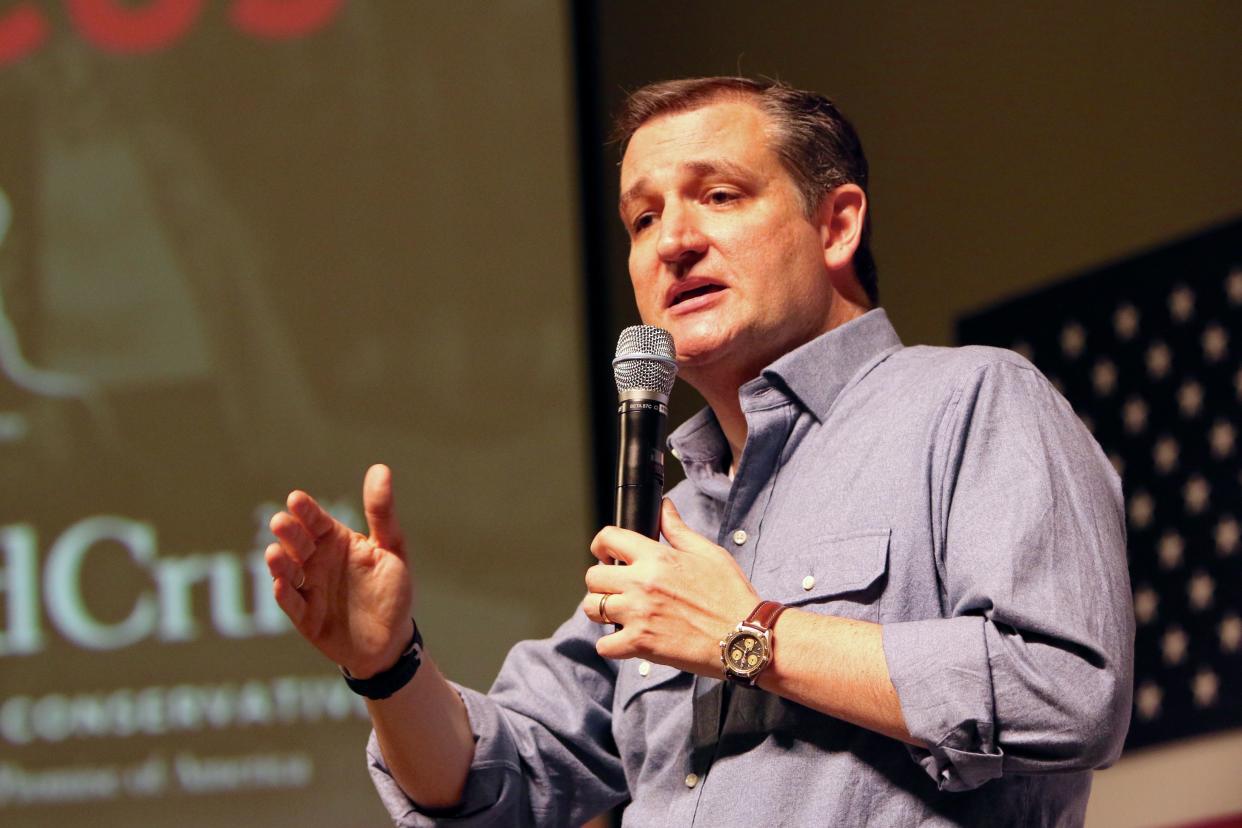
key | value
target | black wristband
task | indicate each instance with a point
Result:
(382, 685)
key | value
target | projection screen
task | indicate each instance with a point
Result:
(248, 246)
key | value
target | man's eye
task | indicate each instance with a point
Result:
(643, 222)
(721, 196)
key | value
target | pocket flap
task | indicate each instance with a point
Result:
(834, 566)
(632, 683)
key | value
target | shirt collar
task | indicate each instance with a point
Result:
(814, 374)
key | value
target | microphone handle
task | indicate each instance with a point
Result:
(642, 426)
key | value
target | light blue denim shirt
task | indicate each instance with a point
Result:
(950, 495)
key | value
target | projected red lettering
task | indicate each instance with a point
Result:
(22, 31)
(117, 27)
(282, 19)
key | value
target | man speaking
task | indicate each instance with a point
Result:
(909, 561)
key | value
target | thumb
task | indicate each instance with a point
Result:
(674, 528)
(377, 502)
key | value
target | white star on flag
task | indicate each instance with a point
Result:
(1126, 322)
(1181, 303)
(1206, 686)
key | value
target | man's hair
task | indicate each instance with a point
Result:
(818, 147)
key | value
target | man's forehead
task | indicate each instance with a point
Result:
(721, 136)
(717, 119)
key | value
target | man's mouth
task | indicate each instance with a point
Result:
(694, 292)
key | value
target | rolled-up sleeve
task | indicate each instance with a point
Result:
(1031, 669)
(544, 753)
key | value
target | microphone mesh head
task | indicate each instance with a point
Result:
(646, 359)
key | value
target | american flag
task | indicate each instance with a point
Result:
(1149, 353)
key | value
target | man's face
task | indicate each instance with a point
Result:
(722, 254)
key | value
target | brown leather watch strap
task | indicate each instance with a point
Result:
(764, 616)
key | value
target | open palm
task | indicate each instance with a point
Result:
(347, 593)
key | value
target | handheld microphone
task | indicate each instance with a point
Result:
(645, 368)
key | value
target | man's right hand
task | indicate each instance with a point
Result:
(355, 602)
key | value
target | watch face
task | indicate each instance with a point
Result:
(746, 653)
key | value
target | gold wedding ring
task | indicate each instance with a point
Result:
(603, 610)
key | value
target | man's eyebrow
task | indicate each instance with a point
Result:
(702, 169)
(631, 194)
(718, 166)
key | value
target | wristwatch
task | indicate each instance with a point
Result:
(747, 650)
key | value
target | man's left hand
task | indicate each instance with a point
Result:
(674, 602)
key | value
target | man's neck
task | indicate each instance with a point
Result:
(719, 387)
(733, 424)
(719, 390)
(722, 398)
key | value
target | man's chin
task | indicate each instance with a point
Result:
(699, 340)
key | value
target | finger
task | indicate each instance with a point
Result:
(292, 535)
(280, 563)
(619, 644)
(285, 572)
(290, 600)
(614, 544)
(607, 578)
(612, 607)
(317, 521)
(674, 529)
(377, 502)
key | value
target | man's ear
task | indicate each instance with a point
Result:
(841, 216)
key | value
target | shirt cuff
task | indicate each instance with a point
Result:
(490, 787)
(941, 672)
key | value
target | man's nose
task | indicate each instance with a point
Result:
(681, 240)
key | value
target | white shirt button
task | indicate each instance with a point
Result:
(808, 582)
(644, 668)
(739, 537)
(692, 779)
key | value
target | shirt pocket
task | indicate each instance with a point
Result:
(842, 574)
